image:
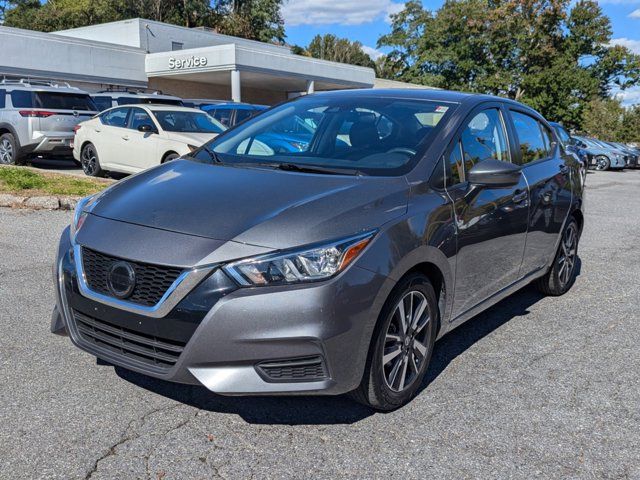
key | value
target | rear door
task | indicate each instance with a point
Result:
(548, 171)
(107, 136)
(491, 221)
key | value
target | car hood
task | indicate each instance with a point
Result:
(191, 138)
(263, 207)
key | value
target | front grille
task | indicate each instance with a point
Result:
(300, 369)
(152, 281)
(151, 350)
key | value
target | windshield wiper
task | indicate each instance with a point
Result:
(214, 156)
(294, 167)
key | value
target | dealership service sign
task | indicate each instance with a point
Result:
(186, 63)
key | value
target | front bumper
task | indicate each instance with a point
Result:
(226, 343)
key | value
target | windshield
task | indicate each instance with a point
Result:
(188, 122)
(373, 136)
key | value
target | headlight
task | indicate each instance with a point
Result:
(79, 216)
(308, 264)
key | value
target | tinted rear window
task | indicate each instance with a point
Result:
(3, 94)
(52, 100)
(147, 100)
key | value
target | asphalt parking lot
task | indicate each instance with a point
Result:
(534, 388)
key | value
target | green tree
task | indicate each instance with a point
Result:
(335, 49)
(551, 54)
(630, 130)
(254, 19)
(603, 119)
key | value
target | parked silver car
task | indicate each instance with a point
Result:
(38, 117)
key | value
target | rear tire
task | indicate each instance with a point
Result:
(90, 162)
(9, 150)
(562, 274)
(401, 346)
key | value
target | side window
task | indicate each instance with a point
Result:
(222, 115)
(565, 138)
(531, 136)
(484, 138)
(454, 166)
(102, 102)
(139, 117)
(116, 117)
(242, 115)
(21, 99)
(3, 94)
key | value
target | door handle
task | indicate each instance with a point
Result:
(520, 196)
(97, 130)
(125, 137)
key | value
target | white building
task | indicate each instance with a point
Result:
(187, 62)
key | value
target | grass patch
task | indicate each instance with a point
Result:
(23, 181)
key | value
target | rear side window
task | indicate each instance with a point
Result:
(116, 117)
(242, 115)
(564, 136)
(3, 94)
(484, 138)
(21, 99)
(102, 103)
(533, 138)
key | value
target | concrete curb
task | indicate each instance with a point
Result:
(38, 203)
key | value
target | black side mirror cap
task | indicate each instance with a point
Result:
(494, 173)
(146, 128)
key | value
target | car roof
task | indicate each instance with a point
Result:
(237, 106)
(158, 107)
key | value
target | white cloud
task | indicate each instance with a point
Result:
(630, 96)
(372, 52)
(635, 14)
(619, 2)
(343, 12)
(633, 45)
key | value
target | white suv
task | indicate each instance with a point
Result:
(114, 98)
(38, 117)
(131, 139)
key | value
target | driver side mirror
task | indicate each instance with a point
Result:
(494, 173)
(146, 128)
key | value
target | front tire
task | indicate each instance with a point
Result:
(602, 163)
(402, 345)
(562, 274)
(169, 157)
(90, 162)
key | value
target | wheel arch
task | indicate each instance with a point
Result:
(170, 152)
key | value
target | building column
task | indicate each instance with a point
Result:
(311, 86)
(236, 95)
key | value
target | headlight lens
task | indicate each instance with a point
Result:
(79, 216)
(303, 265)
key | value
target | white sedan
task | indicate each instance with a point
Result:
(132, 138)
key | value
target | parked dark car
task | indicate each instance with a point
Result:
(569, 144)
(632, 155)
(330, 269)
(599, 156)
(230, 114)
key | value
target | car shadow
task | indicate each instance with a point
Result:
(327, 410)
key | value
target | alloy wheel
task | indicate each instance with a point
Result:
(6, 152)
(89, 160)
(601, 163)
(568, 253)
(406, 341)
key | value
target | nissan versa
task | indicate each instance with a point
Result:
(254, 268)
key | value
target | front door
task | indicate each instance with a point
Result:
(491, 221)
(142, 147)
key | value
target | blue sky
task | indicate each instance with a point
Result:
(366, 20)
